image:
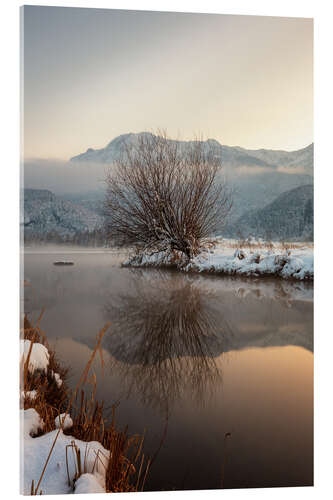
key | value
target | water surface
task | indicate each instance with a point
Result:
(191, 359)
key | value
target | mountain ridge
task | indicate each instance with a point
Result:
(45, 213)
(289, 215)
(235, 156)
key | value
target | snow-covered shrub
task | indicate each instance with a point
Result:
(164, 198)
(254, 258)
(239, 254)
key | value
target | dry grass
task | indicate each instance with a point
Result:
(51, 400)
(127, 467)
(265, 245)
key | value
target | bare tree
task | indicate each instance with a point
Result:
(166, 195)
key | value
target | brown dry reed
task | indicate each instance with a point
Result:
(127, 467)
(266, 244)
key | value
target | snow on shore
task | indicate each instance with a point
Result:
(63, 420)
(39, 357)
(36, 449)
(295, 263)
(55, 480)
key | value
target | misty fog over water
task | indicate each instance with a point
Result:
(199, 356)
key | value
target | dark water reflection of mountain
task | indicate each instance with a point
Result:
(233, 313)
(166, 315)
(212, 354)
(168, 329)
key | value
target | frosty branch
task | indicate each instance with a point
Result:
(162, 196)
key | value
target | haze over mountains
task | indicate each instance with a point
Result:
(259, 179)
(47, 217)
(289, 216)
(300, 161)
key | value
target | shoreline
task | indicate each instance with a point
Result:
(293, 264)
(222, 274)
(67, 446)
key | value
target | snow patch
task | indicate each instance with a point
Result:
(57, 378)
(39, 357)
(28, 395)
(89, 483)
(55, 481)
(292, 263)
(32, 423)
(64, 420)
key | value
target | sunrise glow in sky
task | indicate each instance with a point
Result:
(91, 74)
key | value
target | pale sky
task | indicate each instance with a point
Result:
(93, 74)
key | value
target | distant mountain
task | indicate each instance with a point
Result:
(252, 192)
(257, 177)
(40, 195)
(289, 216)
(230, 156)
(45, 213)
(48, 217)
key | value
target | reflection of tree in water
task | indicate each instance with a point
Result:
(166, 333)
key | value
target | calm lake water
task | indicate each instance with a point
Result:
(189, 358)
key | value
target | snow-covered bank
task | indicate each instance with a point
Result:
(39, 356)
(288, 263)
(38, 360)
(55, 480)
(66, 446)
(60, 474)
